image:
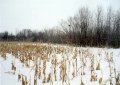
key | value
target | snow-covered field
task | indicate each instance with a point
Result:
(46, 64)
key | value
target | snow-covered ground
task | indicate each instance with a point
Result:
(85, 56)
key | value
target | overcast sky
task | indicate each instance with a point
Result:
(37, 14)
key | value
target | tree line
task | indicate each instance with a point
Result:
(86, 28)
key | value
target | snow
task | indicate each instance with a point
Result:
(8, 78)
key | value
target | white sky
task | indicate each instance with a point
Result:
(37, 14)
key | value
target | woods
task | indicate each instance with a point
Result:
(97, 28)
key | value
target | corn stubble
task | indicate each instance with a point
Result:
(72, 58)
